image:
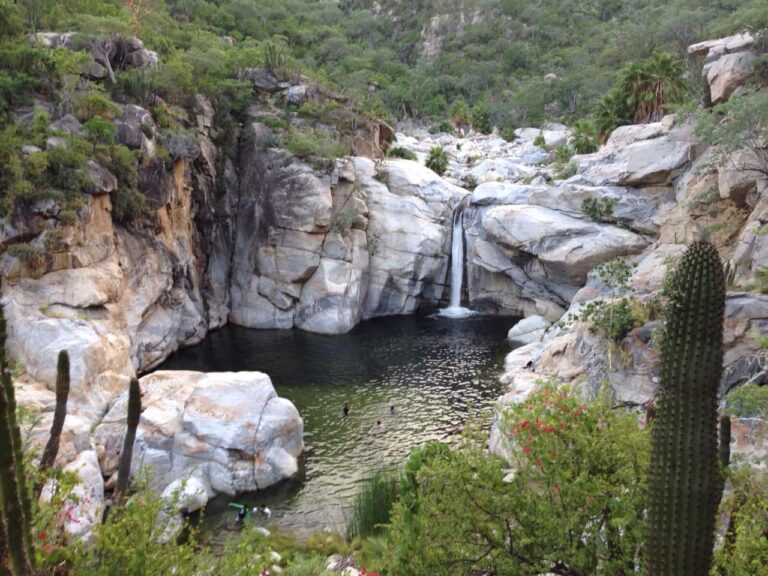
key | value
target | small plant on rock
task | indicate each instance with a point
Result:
(598, 209)
(400, 152)
(437, 161)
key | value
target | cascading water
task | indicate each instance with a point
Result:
(455, 309)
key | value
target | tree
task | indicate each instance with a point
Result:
(99, 131)
(650, 86)
(460, 116)
(739, 130)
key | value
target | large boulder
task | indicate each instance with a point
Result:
(228, 430)
(528, 330)
(567, 248)
(728, 63)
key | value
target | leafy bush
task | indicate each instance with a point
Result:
(99, 131)
(27, 253)
(540, 141)
(446, 127)
(94, 103)
(400, 152)
(481, 120)
(127, 205)
(565, 171)
(343, 220)
(745, 547)
(373, 503)
(749, 400)
(574, 502)
(598, 209)
(123, 165)
(437, 161)
(585, 138)
(315, 143)
(613, 321)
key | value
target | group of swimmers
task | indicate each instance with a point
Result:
(345, 412)
(242, 512)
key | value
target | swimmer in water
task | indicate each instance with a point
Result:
(345, 409)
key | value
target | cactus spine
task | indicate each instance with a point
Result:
(15, 504)
(132, 422)
(685, 484)
(60, 414)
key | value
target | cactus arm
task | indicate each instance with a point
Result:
(132, 423)
(14, 498)
(60, 414)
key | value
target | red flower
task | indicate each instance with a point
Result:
(527, 449)
(41, 535)
(524, 424)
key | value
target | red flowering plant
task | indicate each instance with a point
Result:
(584, 464)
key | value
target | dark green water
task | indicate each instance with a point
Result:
(435, 371)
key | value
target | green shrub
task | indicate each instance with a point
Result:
(570, 500)
(99, 131)
(585, 137)
(749, 400)
(744, 551)
(93, 104)
(316, 143)
(343, 220)
(400, 152)
(373, 504)
(481, 120)
(597, 209)
(127, 205)
(565, 171)
(123, 165)
(27, 253)
(540, 141)
(437, 161)
(444, 126)
(613, 321)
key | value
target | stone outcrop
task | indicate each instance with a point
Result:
(728, 62)
(228, 431)
(321, 250)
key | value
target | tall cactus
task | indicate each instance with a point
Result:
(60, 414)
(134, 412)
(15, 503)
(685, 478)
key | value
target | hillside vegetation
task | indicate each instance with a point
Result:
(520, 62)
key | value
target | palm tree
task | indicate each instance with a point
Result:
(610, 113)
(650, 86)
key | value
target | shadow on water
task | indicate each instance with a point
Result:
(435, 371)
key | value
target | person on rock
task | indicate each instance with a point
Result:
(264, 510)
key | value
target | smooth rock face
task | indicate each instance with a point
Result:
(321, 252)
(84, 511)
(230, 431)
(528, 330)
(727, 63)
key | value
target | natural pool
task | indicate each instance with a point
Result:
(435, 371)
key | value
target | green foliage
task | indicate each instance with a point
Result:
(585, 137)
(573, 505)
(738, 124)
(127, 205)
(748, 401)
(745, 547)
(651, 86)
(372, 505)
(314, 143)
(481, 119)
(597, 209)
(123, 164)
(540, 141)
(400, 152)
(437, 161)
(93, 104)
(27, 253)
(131, 542)
(685, 477)
(343, 220)
(611, 320)
(460, 115)
(99, 131)
(441, 127)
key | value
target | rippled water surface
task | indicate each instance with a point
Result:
(433, 370)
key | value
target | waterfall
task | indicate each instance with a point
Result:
(454, 309)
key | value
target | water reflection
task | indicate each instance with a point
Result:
(433, 370)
